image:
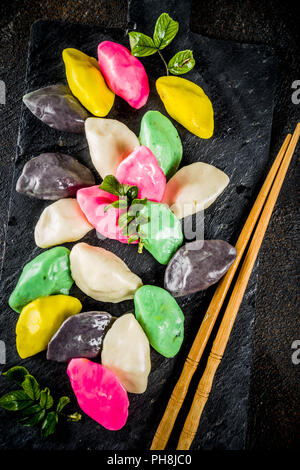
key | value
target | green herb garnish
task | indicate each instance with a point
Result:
(34, 406)
(164, 32)
(130, 220)
(182, 62)
(125, 192)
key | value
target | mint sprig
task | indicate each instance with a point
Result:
(34, 406)
(125, 192)
(129, 221)
(111, 185)
(164, 32)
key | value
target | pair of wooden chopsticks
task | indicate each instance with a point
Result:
(262, 207)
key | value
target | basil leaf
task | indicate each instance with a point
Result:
(119, 204)
(165, 31)
(182, 62)
(33, 419)
(63, 401)
(141, 45)
(31, 387)
(15, 401)
(46, 400)
(49, 424)
(17, 374)
(132, 193)
(31, 410)
(124, 219)
(125, 231)
(132, 228)
(126, 189)
(111, 185)
(136, 206)
(133, 238)
(106, 208)
(140, 201)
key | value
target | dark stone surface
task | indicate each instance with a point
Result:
(273, 407)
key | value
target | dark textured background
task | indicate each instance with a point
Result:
(274, 392)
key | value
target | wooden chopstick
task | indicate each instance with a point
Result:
(175, 402)
(192, 421)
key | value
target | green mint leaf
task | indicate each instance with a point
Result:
(132, 193)
(15, 401)
(124, 219)
(165, 31)
(182, 62)
(136, 206)
(31, 387)
(133, 238)
(141, 45)
(63, 401)
(106, 208)
(32, 415)
(142, 219)
(74, 417)
(49, 424)
(31, 410)
(111, 185)
(33, 419)
(119, 204)
(17, 374)
(46, 400)
(140, 201)
(131, 228)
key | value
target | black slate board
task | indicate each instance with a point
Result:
(239, 79)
